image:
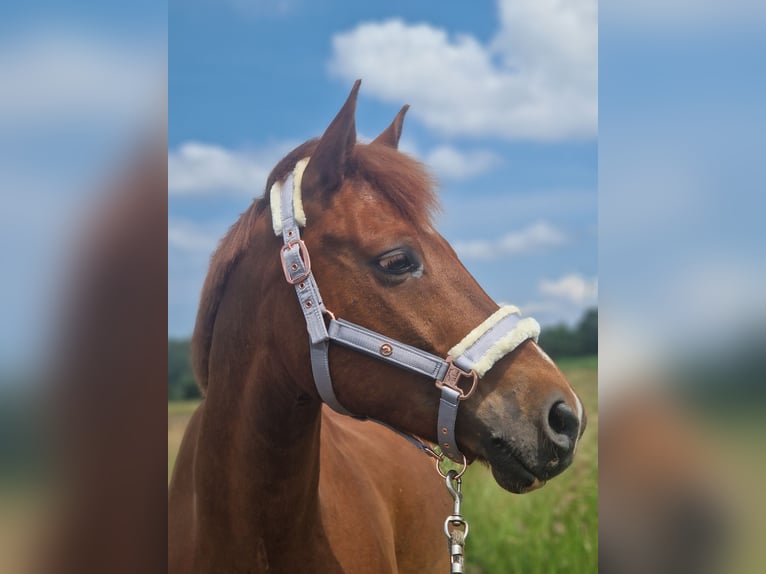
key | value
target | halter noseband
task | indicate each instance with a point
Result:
(470, 359)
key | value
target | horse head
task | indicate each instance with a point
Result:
(379, 262)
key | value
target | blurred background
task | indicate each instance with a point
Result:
(682, 283)
(505, 113)
(83, 113)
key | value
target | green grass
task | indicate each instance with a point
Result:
(551, 530)
(576, 364)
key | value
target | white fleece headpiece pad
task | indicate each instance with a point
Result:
(275, 197)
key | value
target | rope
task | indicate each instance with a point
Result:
(458, 537)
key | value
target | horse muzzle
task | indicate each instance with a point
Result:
(526, 454)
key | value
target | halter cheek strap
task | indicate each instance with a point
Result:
(456, 376)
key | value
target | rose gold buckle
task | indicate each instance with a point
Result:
(304, 255)
(452, 377)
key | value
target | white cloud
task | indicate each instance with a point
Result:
(573, 288)
(448, 162)
(53, 76)
(534, 238)
(537, 79)
(197, 168)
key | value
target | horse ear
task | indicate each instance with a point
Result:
(392, 133)
(325, 168)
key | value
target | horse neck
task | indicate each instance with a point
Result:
(261, 433)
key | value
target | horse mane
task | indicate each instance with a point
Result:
(401, 179)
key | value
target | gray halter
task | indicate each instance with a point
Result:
(470, 359)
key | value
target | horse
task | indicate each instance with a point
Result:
(268, 477)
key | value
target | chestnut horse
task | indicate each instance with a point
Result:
(268, 479)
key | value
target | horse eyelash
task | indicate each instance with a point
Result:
(389, 261)
(395, 259)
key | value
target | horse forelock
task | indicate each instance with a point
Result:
(397, 177)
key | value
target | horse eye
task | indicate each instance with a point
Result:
(397, 263)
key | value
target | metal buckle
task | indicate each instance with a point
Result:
(452, 377)
(303, 254)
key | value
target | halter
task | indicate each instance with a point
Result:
(456, 376)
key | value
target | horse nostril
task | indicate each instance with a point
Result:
(498, 442)
(563, 425)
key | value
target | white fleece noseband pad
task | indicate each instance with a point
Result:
(493, 339)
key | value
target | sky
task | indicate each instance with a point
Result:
(504, 98)
(80, 84)
(503, 113)
(681, 172)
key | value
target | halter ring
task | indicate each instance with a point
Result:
(453, 376)
(441, 457)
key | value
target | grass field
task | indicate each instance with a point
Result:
(551, 530)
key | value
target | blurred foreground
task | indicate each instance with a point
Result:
(82, 486)
(682, 282)
(83, 184)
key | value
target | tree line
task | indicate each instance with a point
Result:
(581, 340)
(557, 340)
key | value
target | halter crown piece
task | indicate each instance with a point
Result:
(470, 359)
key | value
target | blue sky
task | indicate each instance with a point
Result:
(81, 83)
(680, 130)
(681, 172)
(503, 113)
